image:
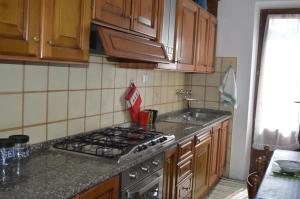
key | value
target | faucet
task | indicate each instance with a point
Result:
(187, 95)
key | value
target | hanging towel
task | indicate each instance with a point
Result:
(228, 89)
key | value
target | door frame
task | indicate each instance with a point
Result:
(264, 13)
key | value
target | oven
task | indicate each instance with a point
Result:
(144, 181)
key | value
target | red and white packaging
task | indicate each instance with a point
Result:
(134, 100)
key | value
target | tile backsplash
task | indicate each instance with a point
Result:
(48, 101)
(205, 87)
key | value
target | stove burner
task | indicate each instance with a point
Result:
(111, 142)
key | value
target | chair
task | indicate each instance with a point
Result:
(253, 182)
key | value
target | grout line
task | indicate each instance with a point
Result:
(68, 95)
(47, 105)
(23, 98)
(85, 99)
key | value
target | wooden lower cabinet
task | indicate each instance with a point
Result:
(169, 183)
(223, 147)
(201, 167)
(106, 190)
(203, 164)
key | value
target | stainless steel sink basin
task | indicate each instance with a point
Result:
(197, 117)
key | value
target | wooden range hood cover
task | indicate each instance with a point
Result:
(127, 46)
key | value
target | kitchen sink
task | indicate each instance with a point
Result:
(201, 117)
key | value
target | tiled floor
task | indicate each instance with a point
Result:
(229, 189)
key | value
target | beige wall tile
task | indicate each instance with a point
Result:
(35, 105)
(11, 111)
(157, 95)
(164, 94)
(197, 104)
(127, 117)
(212, 105)
(198, 92)
(218, 64)
(163, 108)
(93, 102)
(57, 130)
(108, 75)
(37, 134)
(120, 80)
(92, 123)
(165, 78)
(140, 77)
(57, 106)
(171, 79)
(75, 126)
(96, 59)
(107, 100)
(119, 117)
(198, 79)
(119, 102)
(143, 95)
(229, 61)
(35, 77)
(213, 79)
(6, 134)
(94, 75)
(131, 75)
(157, 78)
(76, 104)
(149, 96)
(107, 120)
(150, 81)
(77, 78)
(58, 77)
(11, 77)
(171, 94)
(212, 94)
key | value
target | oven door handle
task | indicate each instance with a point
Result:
(144, 186)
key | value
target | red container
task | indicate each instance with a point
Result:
(144, 117)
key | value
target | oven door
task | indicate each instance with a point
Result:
(148, 188)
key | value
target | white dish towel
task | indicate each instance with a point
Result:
(228, 89)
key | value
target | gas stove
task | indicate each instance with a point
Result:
(115, 143)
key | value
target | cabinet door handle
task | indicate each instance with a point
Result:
(51, 42)
(36, 39)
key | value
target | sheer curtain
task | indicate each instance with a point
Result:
(277, 114)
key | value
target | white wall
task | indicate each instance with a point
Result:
(237, 37)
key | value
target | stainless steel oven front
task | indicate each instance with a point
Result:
(144, 181)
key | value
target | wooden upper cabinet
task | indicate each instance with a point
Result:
(65, 30)
(145, 17)
(203, 40)
(19, 27)
(201, 168)
(212, 44)
(187, 21)
(114, 12)
(106, 190)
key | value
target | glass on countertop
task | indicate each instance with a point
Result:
(7, 151)
(21, 149)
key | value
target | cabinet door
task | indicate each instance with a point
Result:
(187, 21)
(145, 17)
(223, 147)
(19, 27)
(201, 168)
(114, 12)
(106, 190)
(65, 30)
(214, 165)
(203, 40)
(212, 44)
(170, 174)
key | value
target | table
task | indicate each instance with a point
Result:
(273, 187)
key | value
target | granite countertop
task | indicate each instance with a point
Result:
(50, 173)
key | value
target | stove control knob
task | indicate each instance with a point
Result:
(162, 139)
(139, 148)
(145, 169)
(132, 175)
(144, 147)
(152, 143)
(155, 162)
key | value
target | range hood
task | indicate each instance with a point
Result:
(126, 46)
